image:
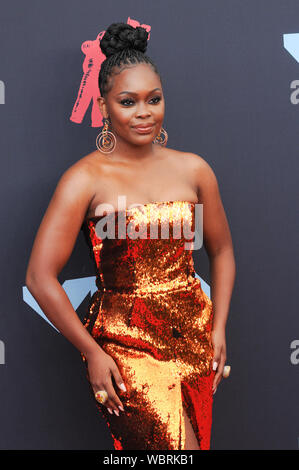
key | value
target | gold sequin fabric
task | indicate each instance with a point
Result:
(151, 315)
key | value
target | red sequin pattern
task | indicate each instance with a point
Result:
(152, 316)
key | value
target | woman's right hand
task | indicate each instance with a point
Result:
(101, 367)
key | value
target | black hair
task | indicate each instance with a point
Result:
(122, 45)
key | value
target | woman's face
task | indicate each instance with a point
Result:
(135, 98)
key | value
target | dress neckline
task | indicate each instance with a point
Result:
(96, 217)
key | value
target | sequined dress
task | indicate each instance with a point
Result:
(152, 317)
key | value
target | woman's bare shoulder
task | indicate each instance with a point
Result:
(189, 160)
(84, 168)
(89, 162)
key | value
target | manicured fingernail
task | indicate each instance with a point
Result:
(215, 391)
(215, 365)
(116, 412)
(123, 387)
(110, 411)
(121, 407)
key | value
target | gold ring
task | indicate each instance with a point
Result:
(226, 371)
(101, 396)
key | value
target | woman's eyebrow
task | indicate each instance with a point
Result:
(136, 94)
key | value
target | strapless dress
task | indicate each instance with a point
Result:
(151, 315)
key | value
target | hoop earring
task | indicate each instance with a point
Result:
(106, 140)
(161, 138)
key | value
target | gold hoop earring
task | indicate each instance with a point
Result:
(161, 138)
(106, 140)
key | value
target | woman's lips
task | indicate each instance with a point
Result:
(143, 130)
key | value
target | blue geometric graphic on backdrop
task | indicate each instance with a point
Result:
(76, 290)
(291, 44)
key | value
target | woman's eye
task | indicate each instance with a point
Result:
(125, 101)
(156, 98)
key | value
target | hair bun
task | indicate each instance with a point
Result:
(120, 36)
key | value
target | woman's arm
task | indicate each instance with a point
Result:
(217, 241)
(51, 250)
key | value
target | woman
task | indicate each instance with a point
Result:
(152, 342)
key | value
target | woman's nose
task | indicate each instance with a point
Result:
(143, 111)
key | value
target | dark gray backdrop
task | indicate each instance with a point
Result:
(230, 89)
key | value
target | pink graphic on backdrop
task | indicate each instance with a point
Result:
(89, 88)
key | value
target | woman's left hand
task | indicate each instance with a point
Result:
(219, 345)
